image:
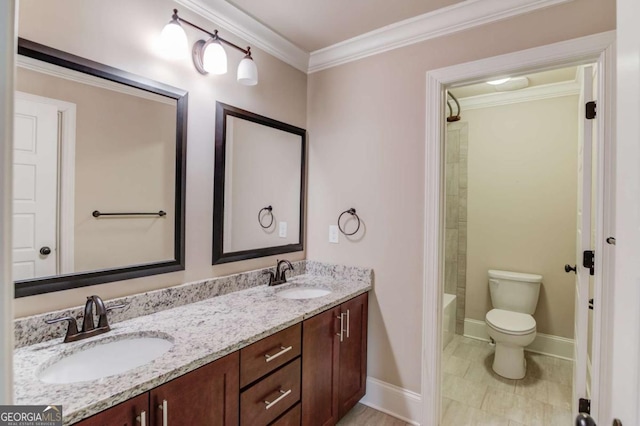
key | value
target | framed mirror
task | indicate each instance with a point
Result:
(99, 173)
(259, 186)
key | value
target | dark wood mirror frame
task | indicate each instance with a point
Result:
(64, 282)
(222, 111)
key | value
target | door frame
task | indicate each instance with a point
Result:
(594, 48)
(65, 233)
(8, 38)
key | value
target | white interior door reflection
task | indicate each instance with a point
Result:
(35, 189)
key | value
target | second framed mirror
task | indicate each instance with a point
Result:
(259, 186)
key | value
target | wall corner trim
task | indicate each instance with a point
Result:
(393, 400)
(441, 22)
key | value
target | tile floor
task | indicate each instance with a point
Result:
(473, 395)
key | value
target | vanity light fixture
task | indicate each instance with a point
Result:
(208, 56)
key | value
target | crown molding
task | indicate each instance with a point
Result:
(536, 93)
(458, 17)
(441, 22)
(79, 77)
(229, 17)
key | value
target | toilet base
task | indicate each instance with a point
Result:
(509, 361)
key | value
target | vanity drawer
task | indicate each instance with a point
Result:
(281, 389)
(292, 418)
(269, 353)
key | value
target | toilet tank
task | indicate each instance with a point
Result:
(514, 291)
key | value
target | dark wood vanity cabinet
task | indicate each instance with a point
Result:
(270, 379)
(334, 362)
(206, 396)
(311, 373)
(129, 413)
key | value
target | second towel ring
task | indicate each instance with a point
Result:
(269, 210)
(352, 212)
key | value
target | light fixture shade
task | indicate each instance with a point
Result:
(214, 58)
(173, 41)
(499, 81)
(247, 72)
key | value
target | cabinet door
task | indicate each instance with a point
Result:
(353, 354)
(320, 368)
(206, 396)
(123, 414)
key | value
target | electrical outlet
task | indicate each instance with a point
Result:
(333, 234)
(282, 231)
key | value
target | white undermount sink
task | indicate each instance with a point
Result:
(303, 292)
(105, 359)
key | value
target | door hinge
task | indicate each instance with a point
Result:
(590, 110)
(591, 304)
(588, 261)
(584, 406)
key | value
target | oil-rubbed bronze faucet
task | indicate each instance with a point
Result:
(279, 277)
(88, 326)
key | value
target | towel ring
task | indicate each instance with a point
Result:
(269, 210)
(352, 212)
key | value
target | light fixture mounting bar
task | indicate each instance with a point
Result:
(213, 35)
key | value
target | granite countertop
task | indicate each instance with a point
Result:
(201, 333)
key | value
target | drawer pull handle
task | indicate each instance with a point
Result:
(142, 418)
(278, 399)
(341, 334)
(348, 324)
(165, 412)
(269, 358)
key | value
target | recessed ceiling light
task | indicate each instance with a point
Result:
(499, 81)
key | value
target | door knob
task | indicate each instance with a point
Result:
(45, 251)
(584, 420)
(569, 268)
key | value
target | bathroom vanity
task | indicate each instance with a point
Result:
(248, 357)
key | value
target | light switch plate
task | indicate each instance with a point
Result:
(333, 234)
(282, 230)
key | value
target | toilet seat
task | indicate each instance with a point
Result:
(508, 322)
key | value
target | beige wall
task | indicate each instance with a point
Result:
(123, 34)
(262, 169)
(366, 123)
(522, 190)
(124, 162)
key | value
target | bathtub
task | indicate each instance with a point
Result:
(448, 318)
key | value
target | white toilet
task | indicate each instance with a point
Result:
(514, 296)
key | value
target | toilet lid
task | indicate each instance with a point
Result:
(510, 322)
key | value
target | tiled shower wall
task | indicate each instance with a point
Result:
(455, 263)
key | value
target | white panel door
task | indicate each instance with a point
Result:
(35, 183)
(583, 241)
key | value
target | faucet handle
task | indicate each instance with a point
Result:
(118, 306)
(72, 329)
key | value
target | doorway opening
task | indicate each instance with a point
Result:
(512, 169)
(593, 49)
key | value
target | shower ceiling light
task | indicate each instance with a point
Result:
(208, 56)
(499, 81)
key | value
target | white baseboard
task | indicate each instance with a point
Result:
(546, 344)
(393, 400)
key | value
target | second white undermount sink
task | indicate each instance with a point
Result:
(105, 359)
(303, 292)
